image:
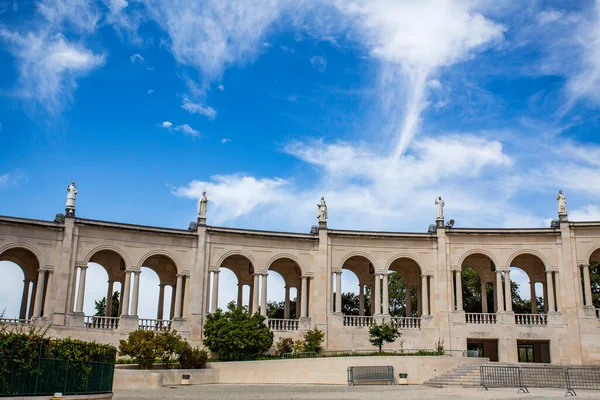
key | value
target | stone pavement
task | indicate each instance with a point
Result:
(326, 392)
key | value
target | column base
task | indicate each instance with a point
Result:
(75, 320)
(505, 317)
(426, 321)
(589, 312)
(128, 323)
(305, 323)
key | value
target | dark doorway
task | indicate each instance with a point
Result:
(533, 351)
(484, 347)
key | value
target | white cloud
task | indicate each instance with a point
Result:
(221, 87)
(136, 58)
(82, 15)
(150, 91)
(14, 177)
(198, 108)
(187, 130)
(319, 63)
(287, 49)
(166, 124)
(4, 179)
(225, 140)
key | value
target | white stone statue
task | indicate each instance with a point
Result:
(562, 203)
(322, 210)
(202, 206)
(440, 208)
(71, 193)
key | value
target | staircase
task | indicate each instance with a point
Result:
(463, 375)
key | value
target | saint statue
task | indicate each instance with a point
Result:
(440, 208)
(322, 210)
(71, 193)
(202, 206)
(562, 203)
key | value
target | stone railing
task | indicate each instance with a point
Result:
(98, 322)
(406, 322)
(480, 318)
(531, 319)
(358, 321)
(154, 324)
(278, 324)
(15, 321)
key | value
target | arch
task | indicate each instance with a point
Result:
(236, 253)
(477, 251)
(354, 254)
(116, 249)
(32, 249)
(283, 256)
(591, 252)
(163, 253)
(521, 252)
(404, 255)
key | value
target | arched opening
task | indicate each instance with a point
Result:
(530, 278)
(405, 288)
(158, 288)
(594, 281)
(357, 271)
(285, 282)
(103, 266)
(476, 289)
(241, 268)
(20, 275)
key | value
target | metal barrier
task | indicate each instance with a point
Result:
(570, 378)
(300, 355)
(371, 375)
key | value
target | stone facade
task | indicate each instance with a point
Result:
(558, 258)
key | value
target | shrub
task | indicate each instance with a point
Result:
(141, 347)
(313, 339)
(284, 345)
(237, 335)
(298, 346)
(192, 357)
(166, 344)
(439, 347)
(384, 332)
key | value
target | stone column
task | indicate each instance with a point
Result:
(250, 297)
(121, 298)
(419, 301)
(172, 308)
(408, 302)
(255, 294)
(263, 296)
(161, 301)
(484, 303)
(533, 297)
(136, 293)
(126, 289)
(495, 296)
(286, 303)
(179, 295)
(109, 295)
(545, 294)
(39, 293)
(386, 302)
(425, 295)
(24, 299)
(361, 299)
(551, 307)
(81, 291)
(507, 291)
(377, 295)
(304, 302)
(587, 286)
(47, 310)
(458, 287)
(557, 291)
(499, 296)
(240, 295)
(215, 292)
(338, 292)
(298, 302)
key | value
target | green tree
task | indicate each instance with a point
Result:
(167, 344)
(101, 306)
(277, 309)
(313, 339)
(141, 347)
(384, 332)
(237, 335)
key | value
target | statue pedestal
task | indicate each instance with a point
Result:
(562, 217)
(439, 223)
(201, 220)
(322, 224)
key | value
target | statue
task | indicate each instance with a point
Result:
(562, 203)
(322, 210)
(440, 208)
(202, 206)
(71, 193)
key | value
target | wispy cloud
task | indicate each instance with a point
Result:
(225, 140)
(167, 124)
(319, 63)
(187, 130)
(198, 108)
(136, 58)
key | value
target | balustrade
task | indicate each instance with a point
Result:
(480, 318)
(100, 322)
(406, 322)
(15, 321)
(278, 324)
(531, 319)
(358, 321)
(154, 324)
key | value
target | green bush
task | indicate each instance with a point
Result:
(384, 332)
(312, 340)
(167, 344)
(236, 335)
(141, 347)
(192, 357)
(284, 345)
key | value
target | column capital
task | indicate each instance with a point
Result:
(137, 271)
(83, 266)
(182, 275)
(305, 277)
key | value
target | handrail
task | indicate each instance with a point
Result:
(280, 324)
(100, 322)
(531, 319)
(148, 324)
(406, 322)
(480, 318)
(358, 321)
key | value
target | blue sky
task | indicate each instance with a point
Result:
(267, 105)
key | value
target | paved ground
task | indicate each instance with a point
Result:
(323, 392)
